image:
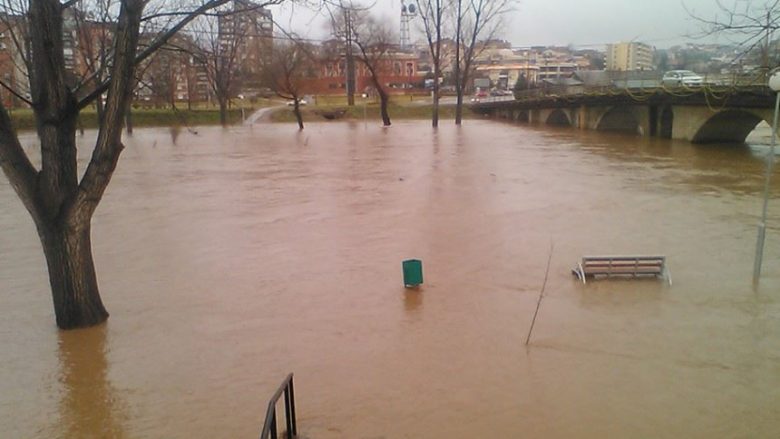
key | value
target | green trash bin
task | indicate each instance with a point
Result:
(412, 272)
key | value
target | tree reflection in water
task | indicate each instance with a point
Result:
(89, 406)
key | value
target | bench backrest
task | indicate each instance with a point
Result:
(623, 264)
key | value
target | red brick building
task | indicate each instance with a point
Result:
(398, 72)
(13, 71)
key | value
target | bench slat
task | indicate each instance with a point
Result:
(622, 266)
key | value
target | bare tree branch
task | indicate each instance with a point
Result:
(16, 165)
(69, 3)
(163, 38)
(755, 24)
(15, 93)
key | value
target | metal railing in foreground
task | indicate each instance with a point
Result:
(269, 426)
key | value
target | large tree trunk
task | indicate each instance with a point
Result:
(61, 206)
(129, 120)
(383, 101)
(74, 287)
(298, 116)
(384, 98)
(459, 107)
(435, 112)
(458, 79)
(223, 109)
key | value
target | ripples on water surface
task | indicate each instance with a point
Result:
(233, 257)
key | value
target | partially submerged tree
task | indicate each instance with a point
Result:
(374, 41)
(288, 72)
(60, 204)
(344, 15)
(217, 52)
(432, 13)
(221, 36)
(476, 22)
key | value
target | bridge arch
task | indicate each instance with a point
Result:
(727, 126)
(666, 123)
(619, 119)
(522, 116)
(559, 118)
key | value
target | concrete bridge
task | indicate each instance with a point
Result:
(705, 115)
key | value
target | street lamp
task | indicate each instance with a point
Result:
(774, 84)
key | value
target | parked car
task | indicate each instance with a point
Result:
(301, 102)
(479, 95)
(682, 78)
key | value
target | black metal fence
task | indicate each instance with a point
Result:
(269, 426)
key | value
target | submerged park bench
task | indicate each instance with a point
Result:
(622, 266)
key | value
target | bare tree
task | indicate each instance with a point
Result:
(94, 34)
(475, 21)
(221, 36)
(220, 62)
(343, 18)
(750, 25)
(289, 71)
(161, 76)
(432, 13)
(374, 41)
(60, 204)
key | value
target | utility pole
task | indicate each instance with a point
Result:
(350, 60)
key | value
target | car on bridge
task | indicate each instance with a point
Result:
(682, 78)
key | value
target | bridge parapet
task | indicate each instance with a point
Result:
(687, 114)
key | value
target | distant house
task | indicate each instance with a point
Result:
(505, 76)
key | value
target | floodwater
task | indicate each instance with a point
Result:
(234, 257)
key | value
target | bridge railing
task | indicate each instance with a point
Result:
(714, 83)
(269, 426)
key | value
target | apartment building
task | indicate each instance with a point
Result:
(172, 74)
(251, 30)
(629, 56)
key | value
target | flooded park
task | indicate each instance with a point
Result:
(229, 258)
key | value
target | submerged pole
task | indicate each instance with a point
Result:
(541, 294)
(774, 84)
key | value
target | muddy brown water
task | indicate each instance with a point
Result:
(233, 257)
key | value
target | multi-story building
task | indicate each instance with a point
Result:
(629, 56)
(173, 74)
(246, 34)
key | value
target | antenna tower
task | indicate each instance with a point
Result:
(407, 13)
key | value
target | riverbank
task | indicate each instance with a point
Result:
(370, 111)
(146, 117)
(159, 117)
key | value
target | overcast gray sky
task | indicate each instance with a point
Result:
(661, 23)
